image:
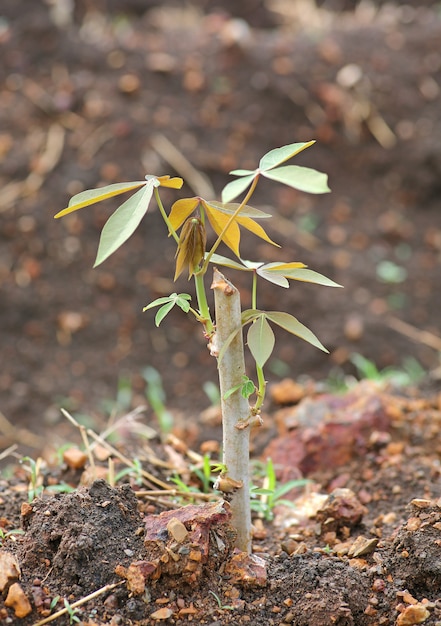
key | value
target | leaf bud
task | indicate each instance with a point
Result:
(191, 247)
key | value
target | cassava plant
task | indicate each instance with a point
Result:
(241, 397)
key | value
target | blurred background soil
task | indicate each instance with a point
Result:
(96, 92)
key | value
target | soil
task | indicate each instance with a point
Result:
(360, 546)
(90, 93)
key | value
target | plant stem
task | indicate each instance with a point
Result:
(261, 390)
(204, 311)
(171, 230)
(235, 407)
(254, 292)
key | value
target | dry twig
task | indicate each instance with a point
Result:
(420, 336)
(194, 179)
(75, 605)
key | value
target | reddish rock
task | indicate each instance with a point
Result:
(341, 509)
(330, 430)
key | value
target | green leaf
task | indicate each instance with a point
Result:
(293, 326)
(91, 196)
(310, 276)
(249, 315)
(181, 300)
(244, 266)
(159, 301)
(230, 392)
(123, 223)
(183, 303)
(242, 172)
(280, 155)
(231, 207)
(273, 277)
(218, 259)
(296, 273)
(261, 340)
(163, 311)
(246, 387)
(236, 187)
(298, 177)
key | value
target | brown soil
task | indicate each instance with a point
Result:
(361, 545)
(84, 96)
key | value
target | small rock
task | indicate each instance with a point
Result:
(17, 600)
(421, 503)
(129, 83)
(415, 614)
(26, 509)
(413, 523)
(111, 602)
(354, 327)
(74, 458)
(9, 569)
(287, 391)
(362, 546)
(177, 530)
(247, 570)
(341, 509)
(161, 614)
(289, 546)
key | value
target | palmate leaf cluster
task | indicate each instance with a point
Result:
(227, 219)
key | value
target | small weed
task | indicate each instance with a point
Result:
(54, 602)
(73, 618)
(9, 534)
(271, 494)
(219, 602)
(206, 473)
(156, 396)
(410, 373)
(123, 400)
(36, 486)
(135, 470)
(390, 272)
(308, 222)
(212, 392)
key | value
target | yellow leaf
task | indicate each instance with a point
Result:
(218, 222)
(173, 183)
(279, 267)
(181, 210)
(251, 225)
